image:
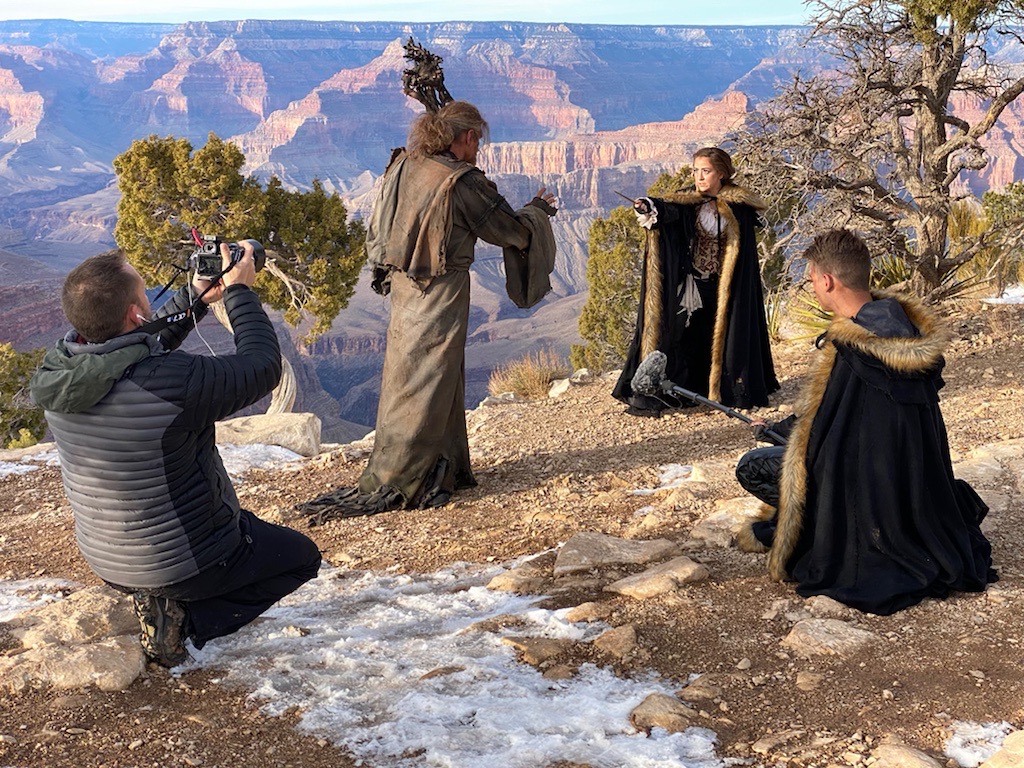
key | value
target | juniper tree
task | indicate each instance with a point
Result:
(314, 253)
(21, 422)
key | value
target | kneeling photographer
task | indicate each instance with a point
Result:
(133, 417)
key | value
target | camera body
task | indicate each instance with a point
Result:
(205, 260)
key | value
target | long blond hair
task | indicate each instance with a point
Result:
(433, 132)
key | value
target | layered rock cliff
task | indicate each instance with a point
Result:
(585, 110)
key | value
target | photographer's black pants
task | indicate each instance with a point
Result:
(272, 561)
(759, 471)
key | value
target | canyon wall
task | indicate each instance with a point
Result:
(585, 110)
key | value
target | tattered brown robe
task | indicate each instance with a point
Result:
(421, 239)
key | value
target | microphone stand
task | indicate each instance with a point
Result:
(672, 388)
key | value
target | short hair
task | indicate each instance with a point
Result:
(433, 132)
(96, 295)
(720, 160)
(844, 255)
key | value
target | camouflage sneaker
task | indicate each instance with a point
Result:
(163, 622)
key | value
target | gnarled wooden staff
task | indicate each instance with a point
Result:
(424, 80)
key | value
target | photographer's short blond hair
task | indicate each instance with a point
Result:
(844, 255)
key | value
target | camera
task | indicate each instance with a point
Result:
(206, 261)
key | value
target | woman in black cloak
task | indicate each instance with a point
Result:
(701, 301)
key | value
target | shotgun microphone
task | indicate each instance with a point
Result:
(650, 374)
(649, 380)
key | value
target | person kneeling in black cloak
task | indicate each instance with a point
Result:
(861, 503)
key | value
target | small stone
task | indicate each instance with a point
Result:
(618, 642)
(136, 744)
(587, 612)
(538, 650)
(660, 579)
(808, 681)
(441, 672)
(559, 672)
(701, 689)
(743, 664)
(661, 711)
(767, 743)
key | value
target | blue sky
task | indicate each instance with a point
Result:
(656, 12)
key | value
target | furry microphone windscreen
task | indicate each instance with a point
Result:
(649, 374)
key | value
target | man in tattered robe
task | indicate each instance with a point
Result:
(431, 209)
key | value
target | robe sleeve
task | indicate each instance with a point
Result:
(488, 215)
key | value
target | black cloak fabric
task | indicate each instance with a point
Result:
(869, 511)
(724, 354)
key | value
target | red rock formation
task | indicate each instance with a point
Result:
(24, 110)
(664, 142)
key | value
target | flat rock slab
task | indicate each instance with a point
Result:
(707, 687)
(901, 756)
(589, 612)
(829, 637)
(530, 577)
(822, 607)
(663, 578)
(111, 665)
(618, 642)
(85, 616)
(535, 651)
(720, 528)
(299, 432)
(585, 551)
(662, 711)
(1011, 755)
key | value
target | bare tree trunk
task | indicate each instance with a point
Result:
(282, 400)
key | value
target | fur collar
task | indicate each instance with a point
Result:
(732, 194)
(906, 355)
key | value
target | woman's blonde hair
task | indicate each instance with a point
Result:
(433, 132)
(720, 161)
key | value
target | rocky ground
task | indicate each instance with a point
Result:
(549, 470)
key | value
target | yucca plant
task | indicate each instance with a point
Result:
(775, 304)
(808, 314)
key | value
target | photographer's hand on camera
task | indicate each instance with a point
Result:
(242, 271)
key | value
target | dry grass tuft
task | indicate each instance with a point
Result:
(530, 376)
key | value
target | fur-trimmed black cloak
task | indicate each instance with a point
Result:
(724, 353)
(869, 511)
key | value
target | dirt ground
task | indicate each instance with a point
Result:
(547, 470)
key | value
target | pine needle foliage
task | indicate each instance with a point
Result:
(21, 421)
(314, 253)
